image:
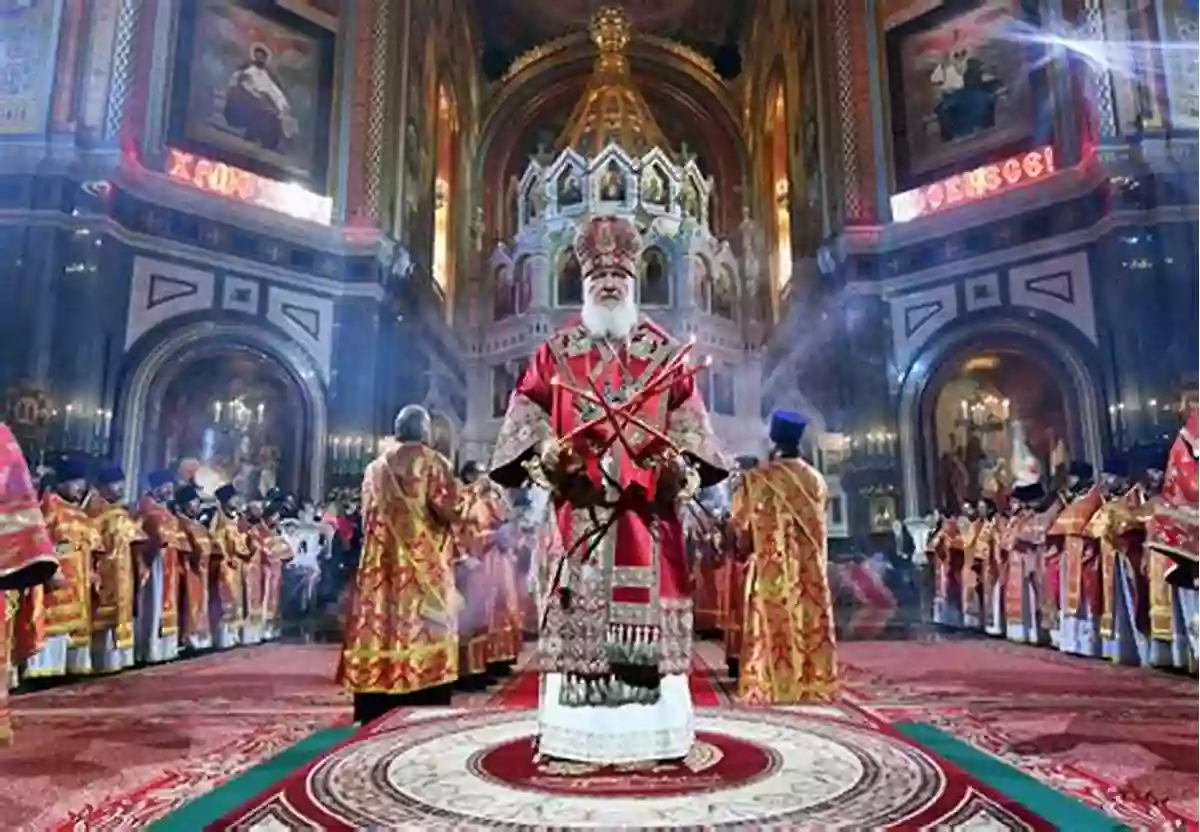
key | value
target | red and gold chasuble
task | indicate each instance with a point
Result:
(197, 631)
(1118, 531)
(402, 629)
(1081, 552)
(167, 539)
(1172, 529)
(258, 544)
(68, 608)
(483, 511)
(230, 552)
(1012, 567)
(788, 651)
(27, 560)
(277, 553)
(112, 597)
(630, 601)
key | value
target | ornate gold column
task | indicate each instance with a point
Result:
(846, 22)
(368, 112)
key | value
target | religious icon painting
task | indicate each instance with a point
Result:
(570, 188)
(28, 63)
(963, 87)
(252, 87)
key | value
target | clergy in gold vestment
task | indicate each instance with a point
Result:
(402, 631)
(486, 514)
(112, 597)
(157, 623)
(66, 608)
(788, 650)
(195, 629)
(230, 553)
(483, 511)
(26, 555)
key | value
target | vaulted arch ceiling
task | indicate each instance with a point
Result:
(510, 27)
(690, 102)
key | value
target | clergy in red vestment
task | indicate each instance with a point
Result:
(615, 648)
(1172, 531)
(26, 554)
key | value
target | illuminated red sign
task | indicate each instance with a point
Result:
(235, 183)
(973, 185)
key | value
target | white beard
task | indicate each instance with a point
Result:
(615, 323)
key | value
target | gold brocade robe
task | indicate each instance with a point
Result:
(1112, 528)
(277, 553)
(1012, 567)
(258, 543)
(112, 597)
(1081, 552)
(229, 554)
(68, 609)
(484, 511)
(986, 566)
(402, 629)
(487, 511)
(168, 541)
(196, 629)
(27, 559)
(788, 649)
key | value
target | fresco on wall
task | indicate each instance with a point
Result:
(1000, 420)
(233, 418)
(253, 88)
(26, 64)
(1182, 64)
(961, 88)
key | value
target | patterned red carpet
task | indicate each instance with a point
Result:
(1121, 739)
(118, 752)
(140, 744)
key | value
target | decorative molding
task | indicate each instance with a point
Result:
(917, 317)
(217, 260)
(307, 318)
(161, 290)
(981, 291)
(240, 294)
(1060, 286)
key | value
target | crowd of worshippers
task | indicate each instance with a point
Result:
(145, 578)
(1089, 564)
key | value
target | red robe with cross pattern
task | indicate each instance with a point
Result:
(631, 599)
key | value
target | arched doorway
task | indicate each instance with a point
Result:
(237, 405)
(992, 404)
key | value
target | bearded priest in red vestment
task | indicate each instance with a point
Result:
(27, 556)
(616, 640)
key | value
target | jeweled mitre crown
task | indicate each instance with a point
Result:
(608, 243)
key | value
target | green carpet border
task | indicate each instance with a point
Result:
(212, 806)
(1063, 811)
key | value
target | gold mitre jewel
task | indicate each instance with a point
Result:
(608, 243)
(612, 109)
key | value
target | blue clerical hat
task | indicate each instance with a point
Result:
(787, 428)
(1032, 493)
(186, 494)
(110, 474)
(67, 469)
(157, 479)
(225, 493)
(1116, 466)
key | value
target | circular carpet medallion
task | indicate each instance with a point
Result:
(716, 761)
(748, 766)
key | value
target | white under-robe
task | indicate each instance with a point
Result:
(608, 735)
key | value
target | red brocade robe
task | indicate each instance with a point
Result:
(487, 585)
(168, 541)
(27, 557)
(1081, 554)
(1172, 529)
(630, 602)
